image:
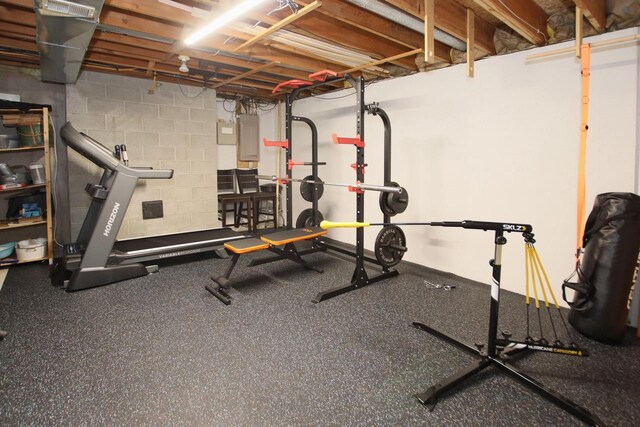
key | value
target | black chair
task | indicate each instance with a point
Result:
(228, 197)
(248, 185)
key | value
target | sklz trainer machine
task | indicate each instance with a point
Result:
(499, 352)
(97, 258)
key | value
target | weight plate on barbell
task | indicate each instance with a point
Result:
(391, 244)
(306, 188)
(394, 203)
(306, 219)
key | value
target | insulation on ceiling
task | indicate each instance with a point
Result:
(622, 14)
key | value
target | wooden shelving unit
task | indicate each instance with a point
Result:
(11, 115)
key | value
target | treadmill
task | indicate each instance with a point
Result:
(96, 258)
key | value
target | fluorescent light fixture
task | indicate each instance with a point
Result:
(222, 20)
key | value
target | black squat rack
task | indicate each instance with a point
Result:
(394, 201)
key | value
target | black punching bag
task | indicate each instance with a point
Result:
(605, 277)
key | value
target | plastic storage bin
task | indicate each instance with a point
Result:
(30, 135)
(31, 249)
(6, 249)
(37, 173)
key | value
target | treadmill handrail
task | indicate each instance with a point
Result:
(103, 157)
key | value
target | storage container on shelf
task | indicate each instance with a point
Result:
(37, 173)
(31, 249)
(6, 249)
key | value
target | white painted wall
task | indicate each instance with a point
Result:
(502, 146)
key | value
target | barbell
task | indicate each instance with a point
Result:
(468, 224)
(357, 186)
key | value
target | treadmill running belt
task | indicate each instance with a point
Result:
(216, 236)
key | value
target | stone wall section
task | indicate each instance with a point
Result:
(172, 128)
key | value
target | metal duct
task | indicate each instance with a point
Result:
(63, 33)
(408, 21)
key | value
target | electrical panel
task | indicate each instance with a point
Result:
(226, 133)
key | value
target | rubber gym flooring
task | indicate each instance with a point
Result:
(160, 350)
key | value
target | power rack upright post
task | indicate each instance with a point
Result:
(389, 199)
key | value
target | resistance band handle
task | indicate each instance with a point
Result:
(330, 224)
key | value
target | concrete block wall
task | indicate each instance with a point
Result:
(173, 128)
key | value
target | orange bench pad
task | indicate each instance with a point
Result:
(244, 246)
(295, 235)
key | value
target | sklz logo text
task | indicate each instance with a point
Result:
(112, 218)
(514, 227)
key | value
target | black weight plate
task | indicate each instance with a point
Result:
(394, 203)
(384, 206)
(306, 188)
(306, 219)
(390, 246)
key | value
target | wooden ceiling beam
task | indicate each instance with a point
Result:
(281, 24)
(136, 60)
(594, 11)
(14, 15)
(22, 30)
(266, 94)
(24, 4)
(367, 32)
(216, 60)
(379, 26)
(368, 21)
(429, 28)
(116, 48)
(12, 43)
(22, 63)
(322, 26)
(451, 17)
(133, 63)
(174, 15)
(246, 74)
(524, 16)
(382, 61)
(154, 9)
(276, 52)
(169, 66)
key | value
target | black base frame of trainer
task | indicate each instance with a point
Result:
(495, 355)
(360, 276)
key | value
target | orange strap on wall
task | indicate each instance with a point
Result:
(585, 53)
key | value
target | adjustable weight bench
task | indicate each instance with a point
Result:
(272, 242)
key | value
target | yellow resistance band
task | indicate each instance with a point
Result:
(585, 51)
(533, 277)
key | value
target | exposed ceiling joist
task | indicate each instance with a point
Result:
(221, 60)
(246, 74)
(376, 38)
(172, 28)
(451, 18)
(382, 61)
(524, 16)
(594, 11)
(16, 15)
(281, 24)
(367, 21)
